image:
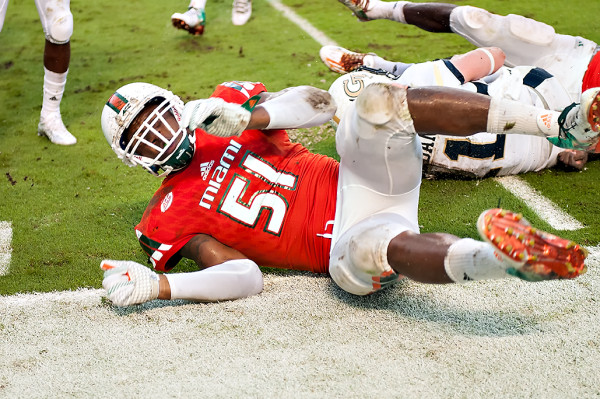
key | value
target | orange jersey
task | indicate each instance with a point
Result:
(259, 193)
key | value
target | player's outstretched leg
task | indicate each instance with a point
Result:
(534, 255)
(193, 21)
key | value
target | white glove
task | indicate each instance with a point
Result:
(128, 283)
(216, 117)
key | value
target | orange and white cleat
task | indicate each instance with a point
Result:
(341, 60)
(359, 8)
(531, 254)
(193, 20)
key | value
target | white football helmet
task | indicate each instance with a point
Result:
(122, 108)
(346, 88)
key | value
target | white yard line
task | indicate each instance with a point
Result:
(5, 247)
(542, 206)
(306, 26)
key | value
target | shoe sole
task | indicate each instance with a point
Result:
(358, 11)
(594, 113)
(339, 66)
(180, 24)
(594, 117)
(41, 133)
(534, 254)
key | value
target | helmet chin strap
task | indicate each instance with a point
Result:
(182, 156)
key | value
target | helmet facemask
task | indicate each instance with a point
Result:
(148, 136)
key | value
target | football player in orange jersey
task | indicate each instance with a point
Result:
(239, 194)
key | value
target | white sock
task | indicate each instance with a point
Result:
(197, 4)
(468, 260)
(54, 88)
(511, 117)
(375, 61)
(392, 10)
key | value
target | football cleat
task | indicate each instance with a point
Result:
(579, 124)
(52, 126)
(359, 8)
(531, 254)
(241, 11)
(193, 20)
(341, 60)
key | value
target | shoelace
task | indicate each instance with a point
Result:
(53, 123)
(351, 61)
(363, 4)
(241, 6)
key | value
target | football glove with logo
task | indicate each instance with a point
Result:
(216, 117)
(128, 283)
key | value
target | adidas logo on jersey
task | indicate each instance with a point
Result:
(205, 168)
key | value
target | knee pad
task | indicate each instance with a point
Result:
(530, 31)
(484, 28)
(471, 17)
(60, 29)
(358, 262)
(57, 21)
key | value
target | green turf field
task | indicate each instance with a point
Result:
(71, 207)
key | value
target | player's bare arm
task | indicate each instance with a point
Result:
(205, 251)
(479, 63)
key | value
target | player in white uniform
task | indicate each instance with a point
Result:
(57, 23)
(574, 60)
(483, 154)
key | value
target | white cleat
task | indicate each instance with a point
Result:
(242, 9)
(341, 60)
(53, 127)
(193, 20)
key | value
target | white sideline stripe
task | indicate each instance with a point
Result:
(542, 206)
(80, 295)
(306, 26)
(5, 248)
(92, 294)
